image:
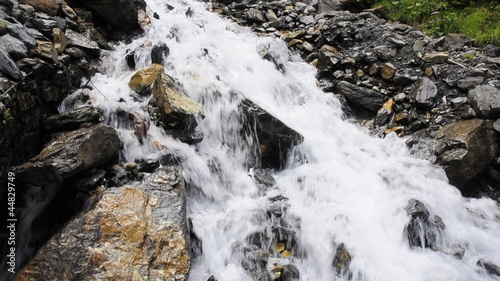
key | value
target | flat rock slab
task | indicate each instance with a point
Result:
(71, 153)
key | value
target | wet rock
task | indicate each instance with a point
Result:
(342, 261)
(14, 47)
(176, 109)
(366, 98)
(424, 91)
(491, 268)
(50, 7)
(191, 136)
(142, 81)
(275, 138)
(485, 100)
(440, 57)
(263, 177)
(467, 147)
(20, 32)
(288, 272)
(8, 66)
(71, 153)
(83, 42)
(255, 263)
(424, 229)
(131, 119)
(159, 51)
(132, 232)
(72, 120)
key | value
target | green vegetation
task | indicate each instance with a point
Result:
(7, 115)
(468, 56)
(480, 20)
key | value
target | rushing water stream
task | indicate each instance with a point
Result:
(342, 185)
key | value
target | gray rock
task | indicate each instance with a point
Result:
(424, 91)
(8, 66)
(71, 153)
(405, 76)
(366, 98)
(255, 15)
(81, 41)
(424, 229)
(306, 19)
(385, 52)
(20, 32)
(382, 117)
(491, 268)
(13, 46)
(469, 82)
(71, 120)
(275, 137)
(419, 46)
(466, 148)
(485, 100)
(440, 44)
(396, 42)
(158, 52)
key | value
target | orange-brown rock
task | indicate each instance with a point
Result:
(130, 233)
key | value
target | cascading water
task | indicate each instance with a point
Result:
(342, 191)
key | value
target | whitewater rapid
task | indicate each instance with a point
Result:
(343, 185)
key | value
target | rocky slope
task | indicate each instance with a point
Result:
(442, 93)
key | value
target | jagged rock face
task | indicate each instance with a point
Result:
(274, 137)
(71, 153)
(136, 232)
(467, 147)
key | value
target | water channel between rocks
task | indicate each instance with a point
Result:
(341, 191)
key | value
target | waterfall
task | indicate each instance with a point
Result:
(343, 197)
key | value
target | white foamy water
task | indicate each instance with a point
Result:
(351, 188)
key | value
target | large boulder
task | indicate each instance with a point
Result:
(129, 233)
(177, 110)
(274, 137)
(71, 153)
(366, 98)
(466, 149)
(485, 100)
(120, 14)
